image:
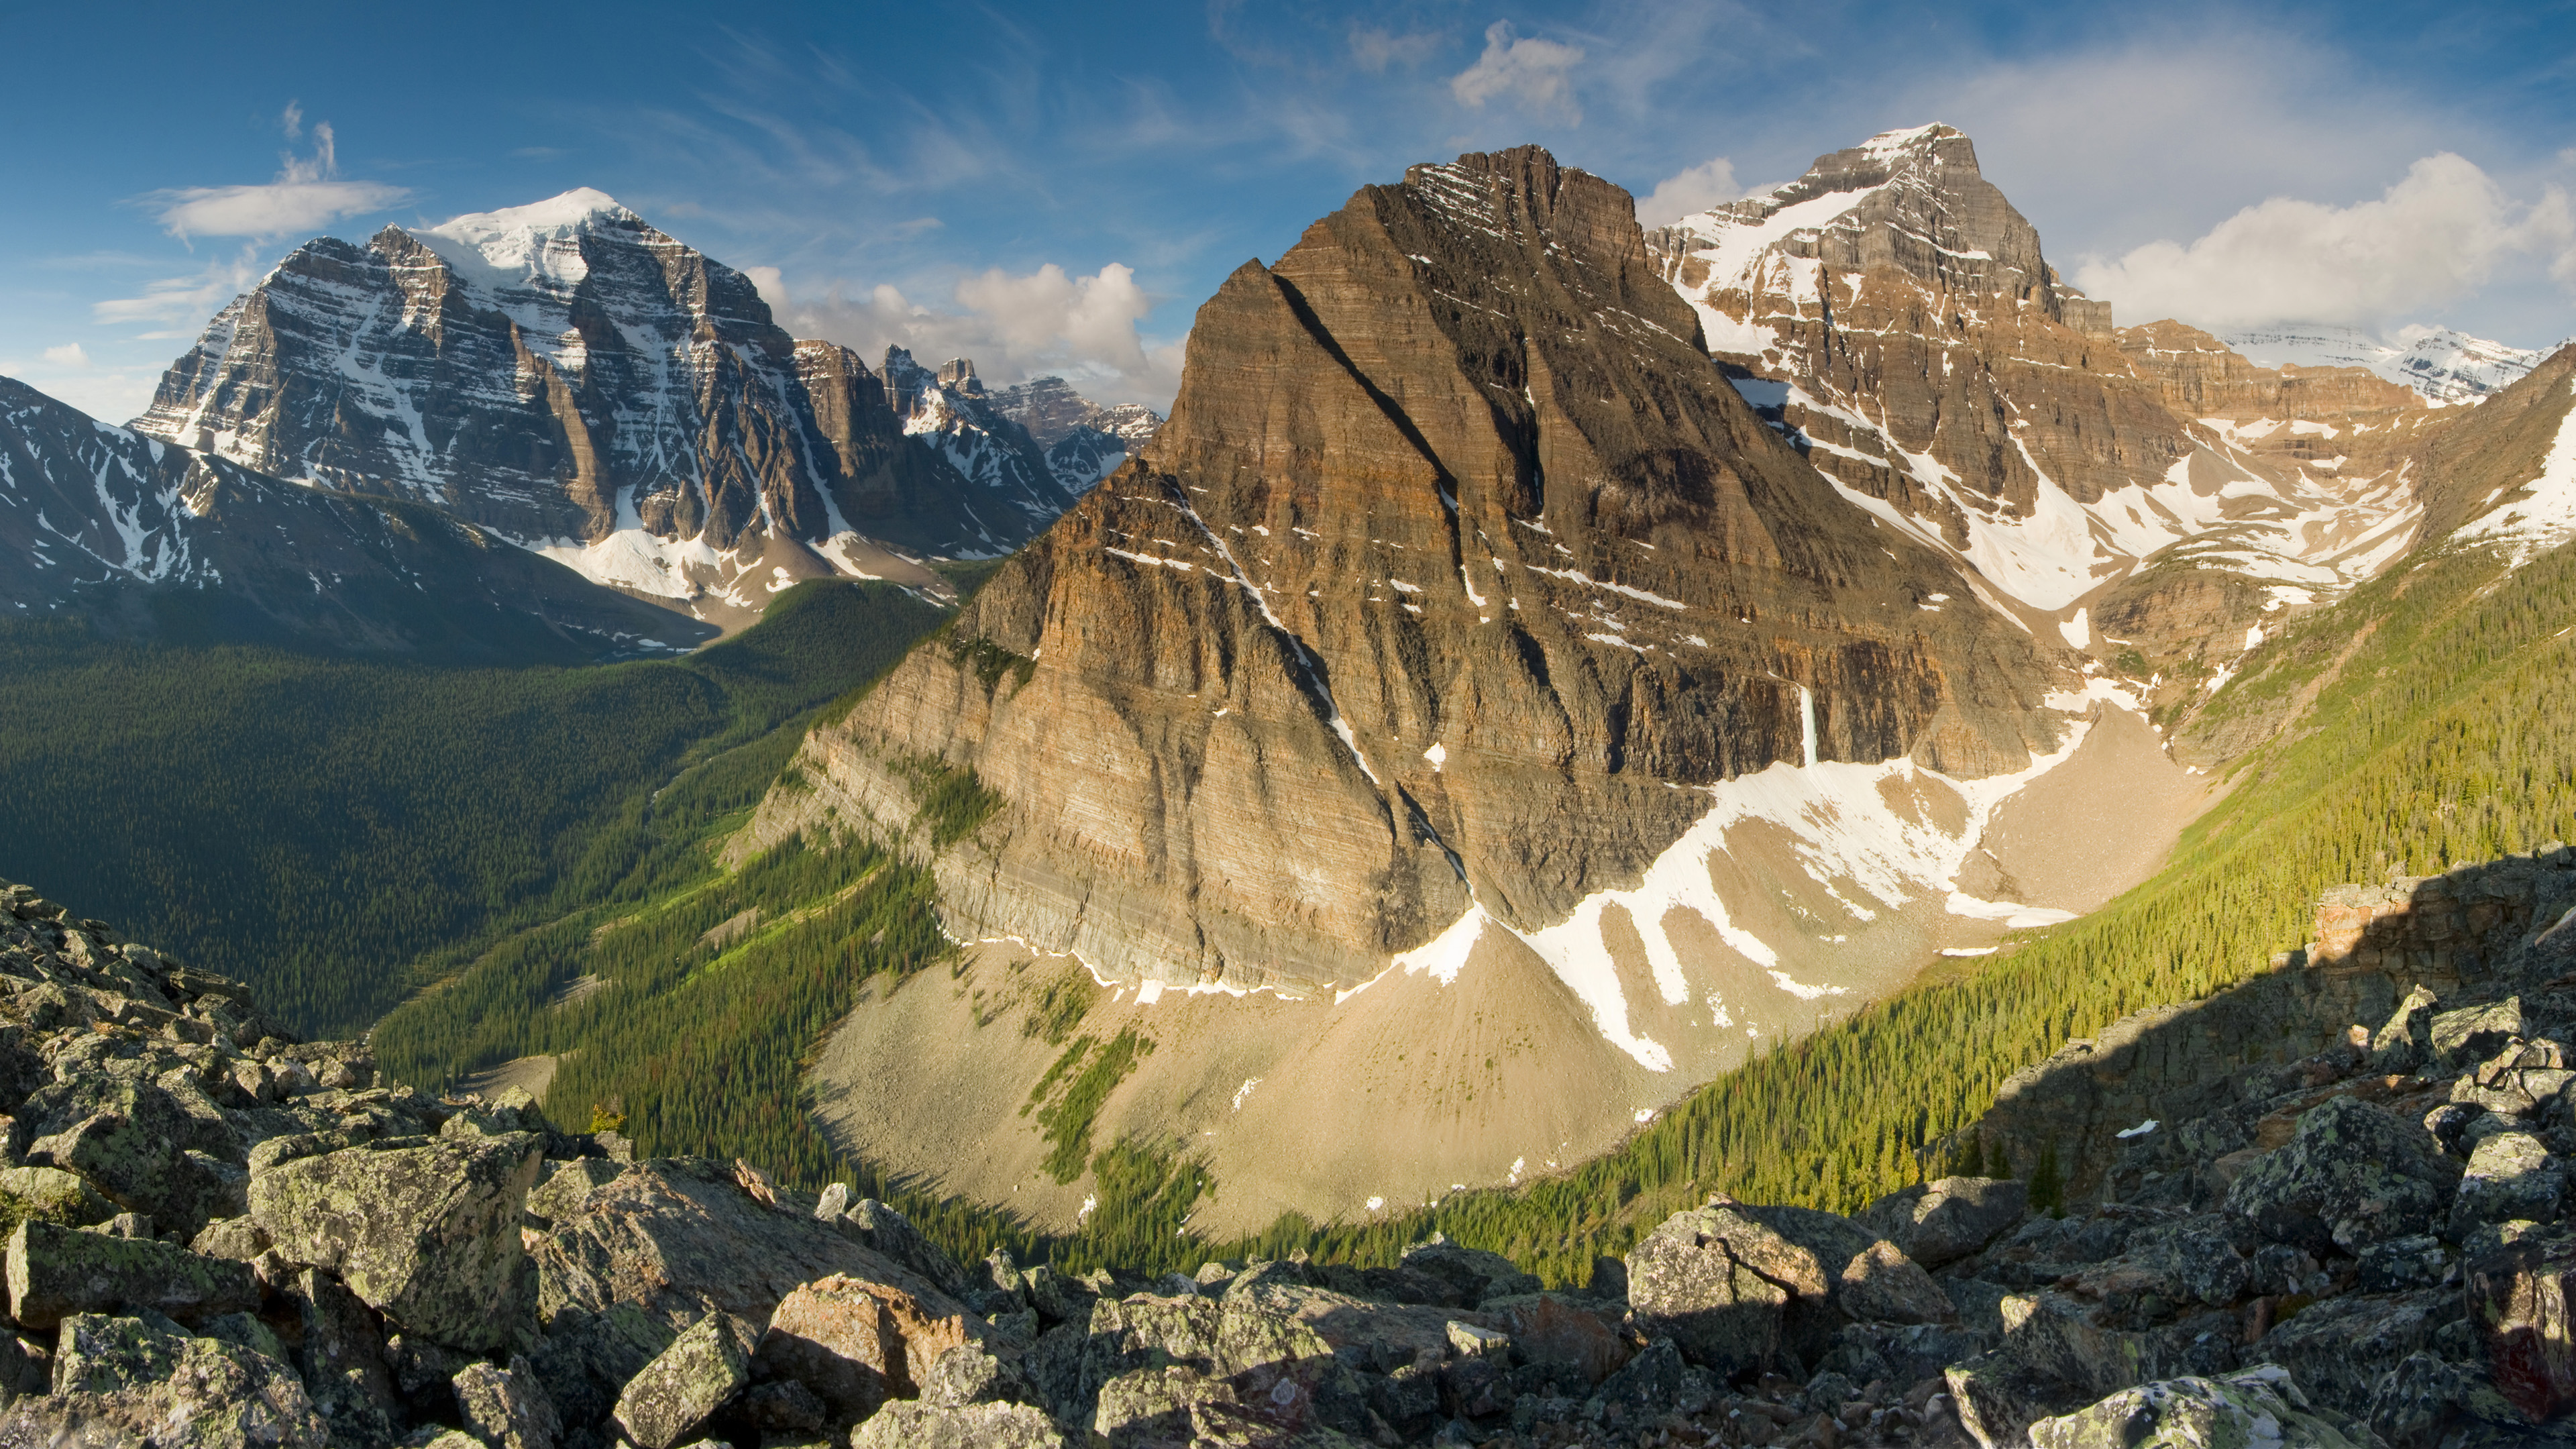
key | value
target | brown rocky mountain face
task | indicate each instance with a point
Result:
(1456, 563)
(2139, 487)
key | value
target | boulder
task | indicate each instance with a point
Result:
(2414, 1403)
(2522, 1301)
(1867, 1278)
(506, 1408)
(2401, 1044)
(1475, 1273)
(55, 1272)
(680, 1238)
(1557, 1332)
(2351, 1175)
(341, 1357)
(53, 1195)
(2338, 1347)
(2473, 1033)
(1655, 1383)
(1949, 1218)
(2510, 1175)
(965, 1426)
(786, 1407)
(877, 1226)
(2195, 1260)
(587, 1358)
(2258, 1406)
(1153, 1406)
(1720, 1285)
(426, 1234)
(679, 1390)
(857, 1344)
(967, 1374)
(144, 1381)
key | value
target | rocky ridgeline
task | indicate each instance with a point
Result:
(224, 1237)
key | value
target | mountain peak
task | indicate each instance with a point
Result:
(538, 242)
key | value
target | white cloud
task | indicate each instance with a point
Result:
(1688, 193)
(1015, 327)
(1374, 48)
(306, 196)
(187, 299)
(70, 354)
(1524, 68)
(2436, 236)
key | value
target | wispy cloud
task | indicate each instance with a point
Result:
(307, 195)
(1686, 193)
(188, 298)
(1534, 73)
(69, 355)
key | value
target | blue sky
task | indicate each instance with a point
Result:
(1058, 188)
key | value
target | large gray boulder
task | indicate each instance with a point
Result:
(55, 1272)
(144, 1381)
(506, 1408)
(2473, 1033)
(917, 1425)
(2259, 1406)
(1867, 1278)
(1720, 1285)
(2351, 1175)
(2338, 1347)
(2522, 1301)
(427, 1232)
(1949, 1218)
(682, 1388)
(2510, 1176)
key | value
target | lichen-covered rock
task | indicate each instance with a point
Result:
(880, 1227)
(857, 1344)
(1556, 1331)
(960, 1426)
(2522, 1302)
(2402, 1043)
(1720, 1286)
(53, 1195)
(2192, 1261)
(427, 1234)
(1949, 1218)
(2338, 1347)
(506, 1408)
(1867, 1278)
(1654, 1383)
(587, 1358)
(1477, 1274)
(55, 1272)
(2414, 1403)
(678, 1391)
(2472, 1033)
(2510, 1175)
(2260, 1406)
(2351, 1175)
(340, 1354)
(144, 1382)
(967, 1374)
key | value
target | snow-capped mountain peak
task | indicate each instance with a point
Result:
(537, 244)
(2445, 365)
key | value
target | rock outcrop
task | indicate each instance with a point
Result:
(1456, 557)
(683, 1301)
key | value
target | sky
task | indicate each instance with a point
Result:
(1057, 188)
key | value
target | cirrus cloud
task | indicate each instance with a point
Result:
(307, 195)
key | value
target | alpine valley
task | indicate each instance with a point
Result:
(1604, 837)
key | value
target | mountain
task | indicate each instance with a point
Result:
(1463, 626)
(2140, 486)
(1084, 441)
(949, 410)
(2444, 365)
(142, 537)
(578, 382)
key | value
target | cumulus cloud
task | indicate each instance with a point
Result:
(1083, 329)
(1532, 72)
(70, 355)
(2436, 236)
(307, 195)
(188, 298)
(1709, 184)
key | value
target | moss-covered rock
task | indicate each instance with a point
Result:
(56, 1271)
(679, 1390)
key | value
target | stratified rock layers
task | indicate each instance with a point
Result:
(1457, 564)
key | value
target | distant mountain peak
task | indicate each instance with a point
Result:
(2443, 363)
(539, 243)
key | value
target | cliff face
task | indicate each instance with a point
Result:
(1899, 316)
(576, 380)
(140, 537)
(1456, 565)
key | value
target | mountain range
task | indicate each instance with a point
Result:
(1536, 650)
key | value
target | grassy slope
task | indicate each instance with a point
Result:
(335, 830)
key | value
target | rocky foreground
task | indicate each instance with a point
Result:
(225, 1237)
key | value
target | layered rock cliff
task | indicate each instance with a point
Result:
(1457, 567)
(142, 537)
(574, 379)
